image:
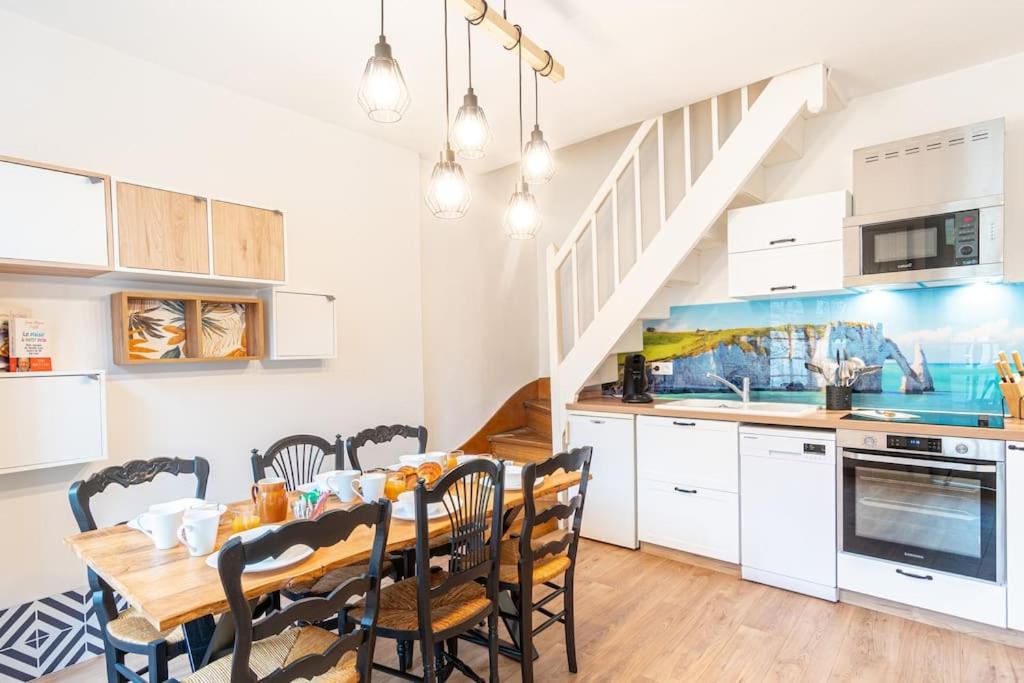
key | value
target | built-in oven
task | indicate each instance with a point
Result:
(924, 501)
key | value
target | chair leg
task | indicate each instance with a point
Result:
(157, 662)
(401, 647)
(492, 644)
(525, 609)
(570, 622)
(112, 657)
(429, 661)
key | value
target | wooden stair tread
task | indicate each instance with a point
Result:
(523, 436)
(543, 405)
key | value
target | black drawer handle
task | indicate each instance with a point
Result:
(1012, 447)
(597, 422)
(923, 577)
(779, 289)
(685, 490)
(788, 239)
(684, 424)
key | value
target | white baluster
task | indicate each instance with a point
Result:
(615, 236)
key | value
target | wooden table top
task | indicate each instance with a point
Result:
(170, 588)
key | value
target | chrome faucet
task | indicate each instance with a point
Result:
(743, 393)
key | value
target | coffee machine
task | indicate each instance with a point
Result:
(634, 379)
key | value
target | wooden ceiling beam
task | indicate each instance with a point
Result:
(506, 33)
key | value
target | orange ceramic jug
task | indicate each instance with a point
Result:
(271, 500)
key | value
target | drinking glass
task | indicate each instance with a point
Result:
(453, 459)
(394, 485)
(244, 518)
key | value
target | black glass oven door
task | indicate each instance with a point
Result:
(936, 514)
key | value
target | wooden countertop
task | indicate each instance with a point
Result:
(820, 419)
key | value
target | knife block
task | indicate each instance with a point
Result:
(1014, 397)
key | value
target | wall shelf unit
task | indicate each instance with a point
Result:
(301, 325)
(168, 327)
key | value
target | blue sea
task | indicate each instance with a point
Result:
(958, 388)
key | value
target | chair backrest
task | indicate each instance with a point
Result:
(297, 459)
(131, 473)
(383, 434)
(326, 530)
(576, 460)
(472, 495)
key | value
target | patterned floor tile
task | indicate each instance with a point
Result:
(19, 641)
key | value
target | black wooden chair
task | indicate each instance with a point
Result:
(297, 459)
(271, 648)
(528, 562)
(383, 434)
(128, 631)
(436, 606)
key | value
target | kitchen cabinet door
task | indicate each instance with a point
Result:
(690, 518)
(162, 230)
(804, 269)
(53, 220)
(702, 453)
(1015, 535)
(248, 242)
(610, 512)
(302, 325)
(789, 223)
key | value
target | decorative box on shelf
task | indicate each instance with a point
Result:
(52, 419)
(167, 327)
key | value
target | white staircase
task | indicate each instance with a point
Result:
(664, 199)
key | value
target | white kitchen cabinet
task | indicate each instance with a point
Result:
(687, 485)
(789, 223)
(610, 513)
(806, 269)
(51, 419)
(53, 220)
(302, 325)
(791, 247)
(1015, 535)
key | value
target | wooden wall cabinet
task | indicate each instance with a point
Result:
(162, 230)
(68, 410)
(170, 327)
(168, 235)
(54, 220)
(301, 325)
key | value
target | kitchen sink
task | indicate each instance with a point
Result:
(752, 408)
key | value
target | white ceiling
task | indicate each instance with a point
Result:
(624, 61)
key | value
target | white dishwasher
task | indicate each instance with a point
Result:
(788, 509)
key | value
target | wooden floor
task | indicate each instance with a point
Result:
(645, 618)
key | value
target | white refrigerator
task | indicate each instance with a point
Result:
(609, 514)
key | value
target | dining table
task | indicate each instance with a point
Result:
(170, 588)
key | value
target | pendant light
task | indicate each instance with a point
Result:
(383, 94)
(448, 194)
(470, 132)
(522, 218)
(538, 163)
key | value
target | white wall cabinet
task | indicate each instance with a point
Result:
(302, 325)
(51, 419)
(791, 247)
(610, 514)
(688, 485)
(1015, 535)
(53, 220)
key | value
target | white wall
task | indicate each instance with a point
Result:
(352, 210)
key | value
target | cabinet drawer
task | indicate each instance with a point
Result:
(689, 518)
(790, 223)
(958, 596)
(703, 453)
(806, 269)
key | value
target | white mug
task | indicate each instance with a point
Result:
(161, 525)
(322, 479)
(198, 531)
(370, 487)
(340, 483)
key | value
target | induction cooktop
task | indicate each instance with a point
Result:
(925, 417)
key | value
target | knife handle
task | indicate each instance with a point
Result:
(1003, 357)
(1002, 373)
(1007, 372)
(1018, 362)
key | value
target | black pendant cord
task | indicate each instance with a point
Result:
(520, 43)
(382, 17)
(447, 110)
(469, 51)
(536, 99)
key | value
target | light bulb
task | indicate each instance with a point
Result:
(538, 163)
(383, 94)
(470, 132)
(448, 194)
(522, 218)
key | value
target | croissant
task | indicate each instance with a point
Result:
(429, 471)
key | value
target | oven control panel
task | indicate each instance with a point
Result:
(913, 443)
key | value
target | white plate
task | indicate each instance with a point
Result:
(292, 556)
(399, 512)
(516, 483)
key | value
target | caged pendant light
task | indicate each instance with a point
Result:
(448, 195)
(522, 217)
(470, 132)
(382, 93)
(538, 163)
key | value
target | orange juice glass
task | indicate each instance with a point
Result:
(453, 459)
(394, 485)
(245, 518)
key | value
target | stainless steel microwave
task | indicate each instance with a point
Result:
(928, 209)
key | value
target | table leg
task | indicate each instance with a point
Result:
(198, 636)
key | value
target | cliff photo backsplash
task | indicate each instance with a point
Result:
(936, 346)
